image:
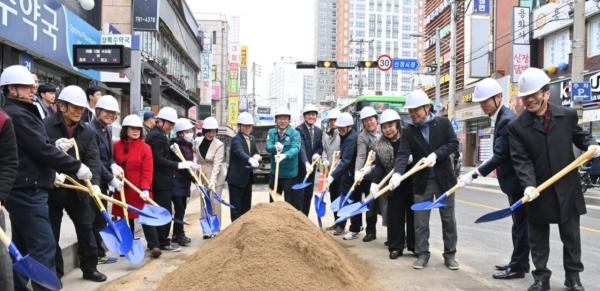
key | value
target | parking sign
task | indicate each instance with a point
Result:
(581, 91)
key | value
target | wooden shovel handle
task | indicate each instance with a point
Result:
(421, 164)
(4, 238)
(136, 189)
(368, 163)
(570, 167)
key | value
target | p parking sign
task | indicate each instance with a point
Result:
(581, 91)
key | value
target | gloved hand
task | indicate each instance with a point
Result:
(596, 149)
(145, 195)
(325, 163)
(431, 158)
(374, 188)
(309, 167)
(316, 157)
(358, 176)
(257, 157)
(467, 179)
(530, 193)
(410, 159)
(395, 180)
(278, 146)
(280, 157)
(96, 189)
(328, 181)
(253, 162)
(212, 186)
(60, 178)
(116, 184)
(188, 165)
(64, 144)
(366, 170)
(117, 171)
(84, 173)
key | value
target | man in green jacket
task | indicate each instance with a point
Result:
(283, 143)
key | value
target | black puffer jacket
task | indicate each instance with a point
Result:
(164, 165)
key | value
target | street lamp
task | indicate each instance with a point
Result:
(437, 65)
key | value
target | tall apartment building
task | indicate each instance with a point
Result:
(286, 87)
(308, 91)
(325, 48)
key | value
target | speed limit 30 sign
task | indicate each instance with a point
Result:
(384, 62)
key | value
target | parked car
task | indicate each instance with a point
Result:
(264, 169)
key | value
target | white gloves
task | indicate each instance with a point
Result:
(280, 157)
(253, 162)
(96, 189)
(309, 167)
(596, 150)
(60, 178)
(430, 160)
(374, 188)
(467, 179)
(316, 157)
(410, 159)
(530, 193)
(358, 176)
(116, 183)
(117, 171)
(366, 170)
(325, 163)
(64, 144)
(328, 181)
(145, 195)
(257, 157)
(212, 186)
(84, 173)
(278, 146)
(188, 165)
(395, 180)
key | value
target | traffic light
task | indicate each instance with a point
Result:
(327, 64)
(366, 64)
(305, 65)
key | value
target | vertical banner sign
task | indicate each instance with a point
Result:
(145, 15)
(521, 51)
(481, 7)
(232, 110)
(244, 56)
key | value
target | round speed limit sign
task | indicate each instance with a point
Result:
(384, 62)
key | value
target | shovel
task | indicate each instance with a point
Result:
(320, 204)
(29, 267)
(149, 200)
(363, 206)
(509, 211)
(437, 203)
(136, 255)
(344, 199)
(218, 196)
(304, 182)
(273, 192)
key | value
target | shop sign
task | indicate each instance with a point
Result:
(47, 29)
(145, 15)
(436, 11)
(232, 110)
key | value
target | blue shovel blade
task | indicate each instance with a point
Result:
(337, 203)
(214, 223)
(427, 205)
(37, 272)
(222, 200)
(153, 215)
(205, 225)
(117, 236)
(301, 185)
(136, 254)
(320, 206)
(502, 213)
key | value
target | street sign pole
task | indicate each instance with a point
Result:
(438, 89)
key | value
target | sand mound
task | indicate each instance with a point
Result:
(272, 247)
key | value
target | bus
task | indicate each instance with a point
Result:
(380, 103)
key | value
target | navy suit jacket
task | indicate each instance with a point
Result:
(306, 148)
(105, 149)
(240, 170)
(345, 168)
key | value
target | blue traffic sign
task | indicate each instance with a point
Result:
(405, 64)
(581, 91)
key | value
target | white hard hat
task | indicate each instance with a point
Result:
(367, 111)
(416, 98)
(333, 114)
(132, 120)
(283, 111)
(245, 118)
(74, 95)
(183, 124)
(344, 120)
(167, 113)
(310, 108)
(16, 75)
(485, 89)
(210, 123)
(389, 115)
(108, 102)
(531, 81)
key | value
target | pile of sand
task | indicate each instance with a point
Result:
(272, 247)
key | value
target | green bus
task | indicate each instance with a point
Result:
(380, 103)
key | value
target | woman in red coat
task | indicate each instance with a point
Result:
(135, 157)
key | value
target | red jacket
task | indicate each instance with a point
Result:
(135, 157)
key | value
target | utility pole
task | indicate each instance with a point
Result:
(361, 50)
(253, 87)
(452, 83)
(437, 71)
(578, 49)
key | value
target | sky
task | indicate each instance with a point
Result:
(270, 28)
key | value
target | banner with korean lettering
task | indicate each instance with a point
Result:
(46, 28)
(232, 110)
(521, 57)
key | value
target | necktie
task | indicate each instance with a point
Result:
(248, 144)
(106, 135)
(311, 132)
(280, 132)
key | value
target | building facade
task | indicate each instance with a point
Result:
(286, 87)
(325, 49)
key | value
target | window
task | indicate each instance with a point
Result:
(557, 48)
(594, 37)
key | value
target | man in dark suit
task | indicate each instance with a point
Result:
(489, 95)
(243, 157)
(311, 150)
(540, 142)
(433, 138)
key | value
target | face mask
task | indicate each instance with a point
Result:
(189, 137)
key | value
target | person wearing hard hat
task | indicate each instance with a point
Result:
(489, 95)
(62, 127)
(27, 203)
(243, 158)
(369, 135)
(107, 109)
(540, 142)
(9, 164)
(164, 165)
(182, 181)
(433, 138)
(311, 150)
(331, 144)
(344, 169)
(210, 155)
(135, 157)
(283, 143)
(400, 218)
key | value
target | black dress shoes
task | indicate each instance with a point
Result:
(395, 254)
(539, 286)
(94, 276)
(574, 285)
(509, 273)
(502, 267)
(369, 237)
